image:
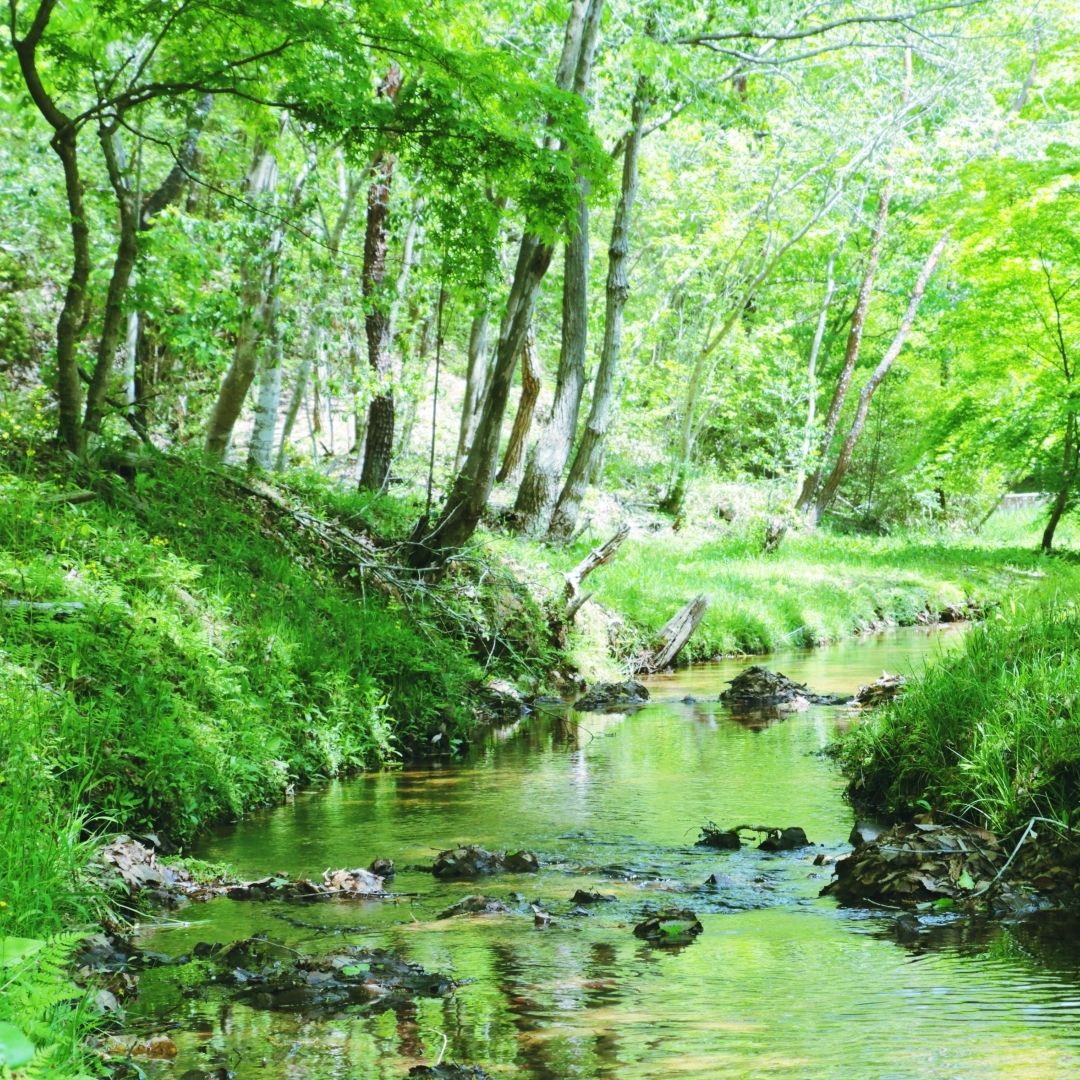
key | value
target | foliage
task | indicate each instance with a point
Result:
(43, 1014)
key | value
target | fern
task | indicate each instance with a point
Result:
(40, 997)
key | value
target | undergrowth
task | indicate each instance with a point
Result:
(990, 734)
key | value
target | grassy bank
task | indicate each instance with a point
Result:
(817, 588)
(991, 734)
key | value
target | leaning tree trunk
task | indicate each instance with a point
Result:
(261, 181)
(474, 385)
(806, 500)
(297, 398)
(472, 487)
(530, 392)
(564, 518)
(379, 439)
(811, 372)
(843, 462)
(71, 323)
(540, 485)
(1068, 474)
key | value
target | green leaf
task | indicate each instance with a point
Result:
(352, 969)
(14, 950)
(15, 1048)
(965, 881)
(944, 904)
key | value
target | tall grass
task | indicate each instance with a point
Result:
(990, 734)
(818, 588)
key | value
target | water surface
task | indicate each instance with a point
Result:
(781, 983)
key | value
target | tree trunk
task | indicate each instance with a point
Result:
(843, 462)
(261, 181)
(530, 391)
(379, 440)
(71, 322)
(299, 389)
(268, 403)
(474, 386)
(806, 500)
(811, 373)
(564, 518)
(540, 486)
(472, 486)
(123, 265)
(1068, 479)
(674, 635)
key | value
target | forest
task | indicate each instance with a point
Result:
(384, 387)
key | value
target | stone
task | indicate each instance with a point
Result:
(472, 861)
(790, 839)
(613, 695)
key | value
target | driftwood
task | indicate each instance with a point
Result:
(597, 557)
(675, 633)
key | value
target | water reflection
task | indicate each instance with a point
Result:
(781, 983)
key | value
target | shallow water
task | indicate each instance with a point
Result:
(781, 983)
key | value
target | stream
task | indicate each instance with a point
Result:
(780, 984)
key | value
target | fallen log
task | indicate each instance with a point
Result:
(674, 635)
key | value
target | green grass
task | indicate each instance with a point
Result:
(990, 734)
(818, 588)
(215, 660)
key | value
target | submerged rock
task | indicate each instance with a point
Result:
(883, 689)
(789, 839)
(383, 868)
(675, 926)
(450, 1072)
(758, 686)
(475, 905)
(339, 884)
(473, 861)
(266, 975)
(582, 896)
(610, 695)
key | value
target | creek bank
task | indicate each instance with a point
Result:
(963, 866)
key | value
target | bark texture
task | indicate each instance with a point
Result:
(530, 392)
(565, 515)
(474, 386)
(843, 461)
(261, 181)
(379, 439)
(540, 485)
(71, 321)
